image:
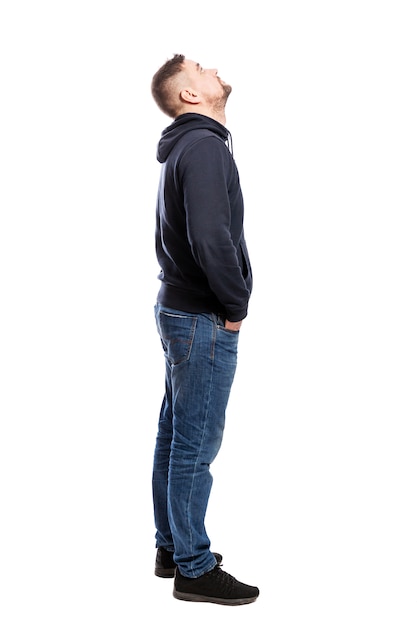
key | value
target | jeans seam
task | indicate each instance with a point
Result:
(206, 411)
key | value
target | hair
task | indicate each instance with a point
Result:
(161, 85)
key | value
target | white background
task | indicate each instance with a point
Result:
(314, 496)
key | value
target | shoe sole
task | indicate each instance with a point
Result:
(192, 597)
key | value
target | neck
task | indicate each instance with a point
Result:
(219, 116)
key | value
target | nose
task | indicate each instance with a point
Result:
(213, 71)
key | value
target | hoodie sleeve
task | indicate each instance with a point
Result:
(211, 190)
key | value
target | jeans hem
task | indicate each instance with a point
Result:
(203, 571)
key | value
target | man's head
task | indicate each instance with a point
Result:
(183, 86)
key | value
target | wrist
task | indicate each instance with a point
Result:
(233, 325)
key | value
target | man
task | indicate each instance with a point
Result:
(206, 282)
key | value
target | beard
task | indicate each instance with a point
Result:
(227, 90)
(219, 101)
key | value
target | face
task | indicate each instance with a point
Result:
(205, 81)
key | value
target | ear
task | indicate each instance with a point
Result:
(190, 96)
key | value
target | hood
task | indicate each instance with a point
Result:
(182, 125)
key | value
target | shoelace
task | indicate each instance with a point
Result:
(227, 581)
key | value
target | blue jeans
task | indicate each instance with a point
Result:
(200, 359)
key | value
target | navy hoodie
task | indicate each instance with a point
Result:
(200, 244)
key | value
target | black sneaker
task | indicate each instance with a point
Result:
(165, 566)
(216, 586)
